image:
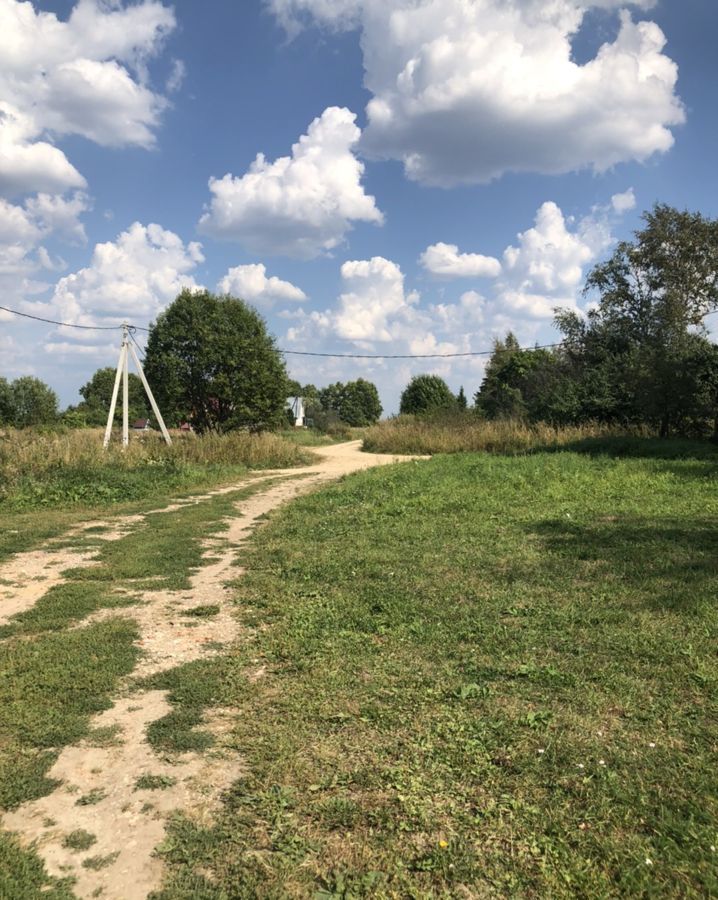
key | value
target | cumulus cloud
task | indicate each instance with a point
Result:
(464, 91)
(623, 202)
(85, 76)
(133, 278)
(446, 261)
(250, 283)
(24, 260)
(300, 205)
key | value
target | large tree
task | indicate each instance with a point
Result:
(5, 402)
(356, 402)
(633, 349)
(425, 393)
(211, 361)
(32, 402)
(97, 395)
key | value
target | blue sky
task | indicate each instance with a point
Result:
(464, 163)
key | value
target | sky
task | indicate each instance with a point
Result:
(374, 176)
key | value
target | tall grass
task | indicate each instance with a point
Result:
(459, 433)
(41, 468)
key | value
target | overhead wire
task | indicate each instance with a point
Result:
(133, 328)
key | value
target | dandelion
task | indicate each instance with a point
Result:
(443, 844)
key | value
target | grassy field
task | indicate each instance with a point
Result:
(466, 433)
(472, 676)
(486, 676)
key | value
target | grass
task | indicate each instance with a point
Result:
(80, 668)
(47, 469)
(49, 688)
(79, 840)
(154, 782)
(486, 676)
(467, 433)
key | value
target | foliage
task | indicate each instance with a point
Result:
(356, 403)
(461, 401)
(97, 394)
(211, 361)
(424, 393)
(27, 401)
(641, 354)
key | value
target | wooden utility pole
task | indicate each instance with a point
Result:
(123, 375)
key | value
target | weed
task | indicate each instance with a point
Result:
(79, 840)
(91, 798)
(96, 863)
(154, 782)
(204, 611)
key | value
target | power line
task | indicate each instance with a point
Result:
(134, 341)
(15, 312)
(133, 328)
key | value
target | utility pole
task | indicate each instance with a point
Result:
(123, 375)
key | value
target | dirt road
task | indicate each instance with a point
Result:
(129, 822)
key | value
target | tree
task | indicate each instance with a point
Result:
(653, 293)
(461, 398)
(6, 407)
(425, 393)
(211, 361)
(33, 402)
(97, 395)
(356, 402)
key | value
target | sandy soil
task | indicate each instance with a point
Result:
(129, 823)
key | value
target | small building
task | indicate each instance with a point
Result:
(141, 425)
(296, 406)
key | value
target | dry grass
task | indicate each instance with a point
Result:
(28, 451)
(468, 433)
(67, 468)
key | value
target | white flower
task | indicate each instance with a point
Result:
(540, 751)
(580, 766)
(602, 762)
(649, 862)
(651, 745)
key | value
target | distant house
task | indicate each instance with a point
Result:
(141, 425)
(185, 426)
(296, 405)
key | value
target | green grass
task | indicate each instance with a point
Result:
(23, 875)
(49, 688)
(486, 676)
(52, 679)
(79, 840)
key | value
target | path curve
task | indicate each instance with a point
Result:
(128, 822)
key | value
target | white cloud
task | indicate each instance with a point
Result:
(624, 202)
(176, 77)
(250, 283)
(133, 277)
(27, 164)
(445, 260)
(464, 91)
(60, 215)
(85, 76)
(300, 205)
(374, 296)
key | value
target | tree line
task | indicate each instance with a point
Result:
(640, 355)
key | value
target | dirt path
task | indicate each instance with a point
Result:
(129, 822)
